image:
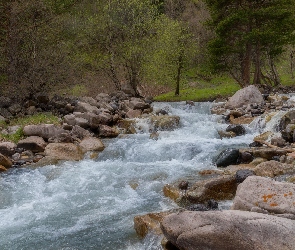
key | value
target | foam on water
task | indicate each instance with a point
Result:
(91, 204)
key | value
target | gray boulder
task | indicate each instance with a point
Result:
(245, 96)
(263, 194)
(92, 144)
(43, 130)
(228, 230)
(64, 151)
(33, 143)
(80, 133)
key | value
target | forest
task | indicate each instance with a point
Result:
(90, 46)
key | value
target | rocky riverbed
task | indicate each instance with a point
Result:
(259, 180)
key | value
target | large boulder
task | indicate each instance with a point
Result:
(92, 144)
(64, 151)
(273, 168)
(263, 194)
(5, 162)
(33, 143)
(43, 130)
(228, 230)
(245, 96)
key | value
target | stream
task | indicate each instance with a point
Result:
(91, 204)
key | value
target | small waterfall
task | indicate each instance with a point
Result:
(91, 204)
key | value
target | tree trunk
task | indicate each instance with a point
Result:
(274, 72)
(257, 74)
(246, 65)
(179, 68)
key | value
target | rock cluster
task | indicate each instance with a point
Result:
(84, 121)
(263, 211)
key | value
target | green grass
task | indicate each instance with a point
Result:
(203, 91)
(28, 120)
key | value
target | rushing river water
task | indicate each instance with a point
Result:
(91, 204)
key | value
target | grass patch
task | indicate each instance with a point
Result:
(203, 91)
(40, 118)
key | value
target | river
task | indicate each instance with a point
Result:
(91, 204)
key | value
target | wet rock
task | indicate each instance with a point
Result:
(43, 130)
(2, 169)
(105, 118)
(227, 157)
(172, 192)
(144, 224)
(183, 185)
(107, 131)
(7, 148)
(5, 162)
(241, 120)
(228, 230)
(219, 188)
(245, 96)
(92, 144)
(242, 175)
(126, 126)
(224, 134)
(154, 136)
(237, 129)
(64, 151)
(266, 194)
(33, 143)
(45, 161)
(273, 168)
(245, 157)
(165, 122)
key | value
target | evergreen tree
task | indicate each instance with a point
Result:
(250, 34)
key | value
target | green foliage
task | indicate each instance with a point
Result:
(41, 118)
(15, 137)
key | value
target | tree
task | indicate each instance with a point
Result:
(173, 51)
(122, 34)
(250, 34)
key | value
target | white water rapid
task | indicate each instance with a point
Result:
(91, 204)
